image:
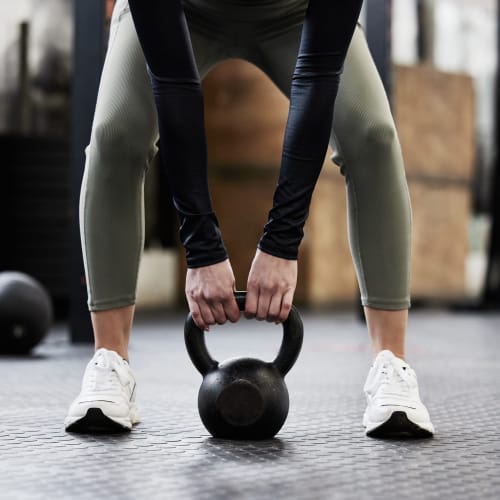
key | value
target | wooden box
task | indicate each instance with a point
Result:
(434, 114)
(245, 116)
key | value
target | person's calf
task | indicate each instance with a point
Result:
(112, 329)
(387, 330)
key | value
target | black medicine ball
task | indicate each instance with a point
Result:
(25, 312)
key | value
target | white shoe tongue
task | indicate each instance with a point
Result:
(400, 363)
(385, 356)
(103, 358)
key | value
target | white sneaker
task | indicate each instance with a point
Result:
(394, 406)
(106, 402)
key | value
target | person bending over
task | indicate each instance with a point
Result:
(301, 45)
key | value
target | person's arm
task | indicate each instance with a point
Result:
(326, 35)
(164, 37)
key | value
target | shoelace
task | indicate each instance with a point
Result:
(105, 375)
(395, 373)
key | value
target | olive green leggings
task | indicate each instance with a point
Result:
(267, 34)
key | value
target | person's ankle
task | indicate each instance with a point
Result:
(399, 353)
(120, 350)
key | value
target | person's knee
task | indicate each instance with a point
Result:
(118, 145)
(381, 151)
(376, 144)
(379, 136)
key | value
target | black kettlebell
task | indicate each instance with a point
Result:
(244, 398)
(25, 312)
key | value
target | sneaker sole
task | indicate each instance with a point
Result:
(95, 422)
(399, 426)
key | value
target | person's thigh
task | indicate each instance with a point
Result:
(125, 109)
(362, 108)
(123, 139)
(125, 99)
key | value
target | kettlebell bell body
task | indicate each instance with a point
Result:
(244, 398)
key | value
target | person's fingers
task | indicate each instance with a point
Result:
(206, 314)
(263, 304)
(218, 312)
(286, 305)
(196, 315)
(274, 307)
(231, 308)
(251, 301)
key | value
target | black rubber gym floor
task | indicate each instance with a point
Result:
(321, 452)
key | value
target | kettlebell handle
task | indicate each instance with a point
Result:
(293, 332)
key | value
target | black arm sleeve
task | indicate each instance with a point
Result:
(162, 31)
(164, 37)
(326, 35)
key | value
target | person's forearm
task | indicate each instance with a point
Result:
(164, 37)
(327, 32)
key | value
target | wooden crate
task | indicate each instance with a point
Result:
(434, 114)
(242, 198)
(440, 239)
(435, 120)
(328, 271)
(245, 116)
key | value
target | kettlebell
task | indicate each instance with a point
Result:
(244, 398)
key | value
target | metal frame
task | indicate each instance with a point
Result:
(89, 49)
(491, 293)
(378, 34)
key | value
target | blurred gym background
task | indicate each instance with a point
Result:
(438, 60)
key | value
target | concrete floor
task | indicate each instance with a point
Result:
(321, 452)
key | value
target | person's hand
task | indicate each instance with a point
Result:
(270, 288)
(210, 295)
